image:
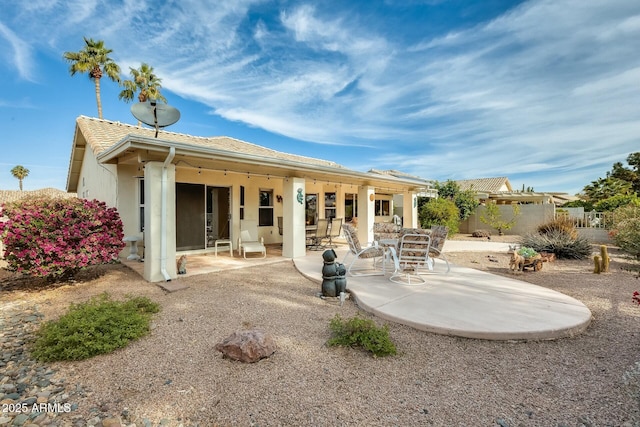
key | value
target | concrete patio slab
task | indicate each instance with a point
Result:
(465, 302)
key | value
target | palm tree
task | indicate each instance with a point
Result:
(145, 81)
(94, 59)
(20, 173)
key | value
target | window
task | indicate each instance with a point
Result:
(382, 207)
(311, 209)
(141, 203)
(329, 205)
(350, 206)
(242, 202)
(265, 212)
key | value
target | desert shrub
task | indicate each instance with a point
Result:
(559, 243)
(626, 229)
(440, 212)
(55, 238)
(562, 224)
(97, 326)
(361, 332)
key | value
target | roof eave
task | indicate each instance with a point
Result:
(161, 145)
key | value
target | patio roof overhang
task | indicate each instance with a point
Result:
(136, 149)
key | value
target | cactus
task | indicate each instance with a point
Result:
(604, 261)
(596, 264)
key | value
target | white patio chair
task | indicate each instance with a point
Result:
(412, 258)
(248, 241)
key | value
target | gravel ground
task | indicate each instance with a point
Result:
(175, 376)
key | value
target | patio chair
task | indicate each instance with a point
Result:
(336, 226)
(358, 253)
(438, 237)
(321, 233)
(412, 257)
(385, 231)
(248, 241)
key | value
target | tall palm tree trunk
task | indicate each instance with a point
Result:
(97, 81)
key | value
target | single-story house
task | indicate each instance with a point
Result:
(180, 193)
(499, 190)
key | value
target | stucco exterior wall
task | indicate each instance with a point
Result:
(531, 216)
(98, 181)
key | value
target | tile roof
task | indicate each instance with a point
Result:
(13, 195)
(102, 134)
(490, 185)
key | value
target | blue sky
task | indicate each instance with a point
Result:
(546, 93)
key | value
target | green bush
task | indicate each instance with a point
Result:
(626, 229)
(559, 243)
(97, 326)
(361, 332)
(440, 212)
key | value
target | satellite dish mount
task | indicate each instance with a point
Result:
(153, 114)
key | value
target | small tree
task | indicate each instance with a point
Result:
(465, 200)
(54, 238)
(440, 212)
(493, 217)
(19, 172)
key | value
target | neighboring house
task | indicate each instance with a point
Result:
(7, 196)
(499, 190)
(181, 193)
(535, 208)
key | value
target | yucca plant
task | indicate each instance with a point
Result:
(562, 224)
(558, 242)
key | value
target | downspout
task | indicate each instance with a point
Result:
(163, 215)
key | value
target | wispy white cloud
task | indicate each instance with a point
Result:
(548, 89)
(19, 53)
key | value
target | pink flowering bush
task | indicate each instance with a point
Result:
(54, 238)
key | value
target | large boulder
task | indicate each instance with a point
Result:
(247, 346)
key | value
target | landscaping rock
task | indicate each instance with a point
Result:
(247, 346)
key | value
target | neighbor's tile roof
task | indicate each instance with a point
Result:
(102, 134)
(7, 196)
(490, 185)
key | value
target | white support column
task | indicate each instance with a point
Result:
(366, 213)
(152, 222)
(410, 210)
(293, 219)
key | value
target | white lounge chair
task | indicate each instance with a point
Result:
(249, 242)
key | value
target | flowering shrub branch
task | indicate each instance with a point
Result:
(55, 238)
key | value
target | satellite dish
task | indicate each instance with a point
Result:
(153, 114)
